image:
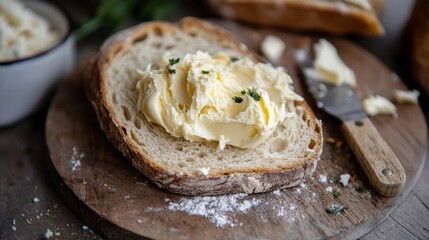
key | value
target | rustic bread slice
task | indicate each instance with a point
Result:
(332, 16)
(193, 168)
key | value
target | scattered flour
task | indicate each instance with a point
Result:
(215, 208)
(329, 189)
(84, 227)
(36, 200)
(277, 192)
(140, 221)
(49, 234)
(75, 159)
(287, 213)
(322, 178)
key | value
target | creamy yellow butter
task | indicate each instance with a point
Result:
(198, 98)
(329, 67)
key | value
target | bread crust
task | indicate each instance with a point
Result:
(256, 180)
(321, 16)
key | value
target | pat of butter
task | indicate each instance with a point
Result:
(272, 47)
(203, 97)
(375, 105)
(406, 96)
(329, 67)
(22, 32)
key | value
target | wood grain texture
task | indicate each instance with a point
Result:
(379, 162)
(118, 201)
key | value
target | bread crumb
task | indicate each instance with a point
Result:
(322, 178)
(14, 228)
(329, 189)
(84, 227)
(330, 140)
(49, 234)
(344, 179)
(36, 200)
(272, 47)
(410, 97)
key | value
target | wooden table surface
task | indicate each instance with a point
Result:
(30, 205)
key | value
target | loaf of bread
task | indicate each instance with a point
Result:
(286, 159)
(419, 39)
(330, 16)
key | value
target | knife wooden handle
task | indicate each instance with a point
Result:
(382, 167)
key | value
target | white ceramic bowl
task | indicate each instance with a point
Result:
(25, 83)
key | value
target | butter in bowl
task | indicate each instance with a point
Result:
(37, 50)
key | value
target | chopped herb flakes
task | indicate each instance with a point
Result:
(336, 209)
(359, 189)
(336, 194)
(234, 59)
(250, 92)
(337, 178)
(173, 61)
(205, 72)
(254, 94)
(237, 99)
(172, 71)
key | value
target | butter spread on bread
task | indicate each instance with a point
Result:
(285, 159)
(203, 97)
(329, 67)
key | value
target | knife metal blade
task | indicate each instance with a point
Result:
(379, 162)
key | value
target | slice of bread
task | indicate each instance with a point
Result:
(331, 16)
(175, 164)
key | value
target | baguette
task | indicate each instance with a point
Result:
(333, 16)
(288, 157)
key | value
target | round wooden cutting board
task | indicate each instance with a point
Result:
(119, 202)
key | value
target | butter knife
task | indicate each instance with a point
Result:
(382, 167)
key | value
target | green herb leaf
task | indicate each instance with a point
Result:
(337, 178)
(359, 189)
(336, 194)
(173, 61)
(336, 209)
(254, 94)
(237, 99)
(234, 59)
(243, 92)
(205, 72)
(172, 71)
